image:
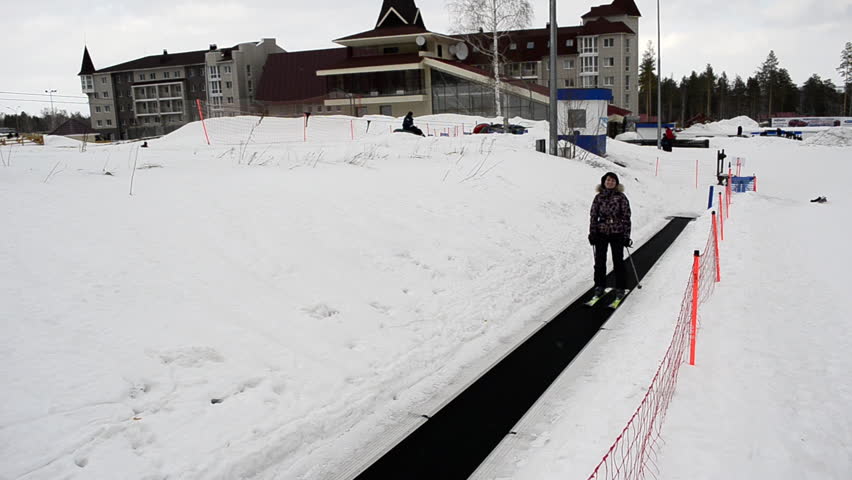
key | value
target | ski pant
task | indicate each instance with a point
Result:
(614, 242)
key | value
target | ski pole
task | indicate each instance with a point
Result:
(630, 256)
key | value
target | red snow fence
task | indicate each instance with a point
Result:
(633, 451)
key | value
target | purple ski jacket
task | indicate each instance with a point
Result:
(610, 213)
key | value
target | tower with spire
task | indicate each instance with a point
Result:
(87, 70)
(399, 13)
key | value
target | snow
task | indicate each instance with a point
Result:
(627, 136)
(832, 137)
(60, 141)
(270, 307)
(722, 127)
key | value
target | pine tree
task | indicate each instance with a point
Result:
(845, 70)
(646, 76)
(766, 76)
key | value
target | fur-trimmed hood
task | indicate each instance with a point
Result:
(618, 188)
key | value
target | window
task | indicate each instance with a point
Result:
(226, 68)
(100, 123)
(339, 108)
(216, 87)
(229, 84)
(152, 75)
(166, 74)
(109, 122)
(589, 45)
(141, 77)
(107, 108)
(191, 72)
(577, 118)
(528, 69)
(103, 80)
(590, 64)
(530, 45)
(213, 70)
(569, 43)
(513, 46)
(569, 64)
(96, 95)
(590, 81)
(106, 94)
(609, 61)
(626, 99)
(177, 74)
(230, 99)
(626, 64)
(248, 70)
(250, 87)
(609, 42)
(319, 108)
(626, 44)
(627, 82)
(609, 81)
(97, 109)
(569, 82)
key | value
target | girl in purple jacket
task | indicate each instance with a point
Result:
(609, 227)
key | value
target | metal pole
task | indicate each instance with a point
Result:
(50, 92)
(635, 273)
(553, 114)
(659, 84)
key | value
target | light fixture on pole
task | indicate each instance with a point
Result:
(553, 113)
(52, 111)
(659, 84)
(17, 118)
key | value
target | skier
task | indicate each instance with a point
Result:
(668, 140)
(408, 125)
(609, 227)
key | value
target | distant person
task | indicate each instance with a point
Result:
(740, 131)
(609, 227)
(778, 132)
(408, 125)
(145, 144)
(668, 140)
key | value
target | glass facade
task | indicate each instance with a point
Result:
(451, 94)
(402, 82)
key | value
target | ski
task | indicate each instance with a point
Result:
(595, 300)
(618, 301)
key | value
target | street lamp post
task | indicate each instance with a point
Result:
(659, 84)
(17, 118)
(52, 111)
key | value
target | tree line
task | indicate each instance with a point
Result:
(770, 91)
(45, 122)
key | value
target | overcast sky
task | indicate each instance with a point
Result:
(43, 43)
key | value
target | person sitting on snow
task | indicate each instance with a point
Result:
(408, 125)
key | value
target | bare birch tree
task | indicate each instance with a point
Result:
(495, 19)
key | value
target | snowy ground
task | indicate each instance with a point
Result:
(269, 307)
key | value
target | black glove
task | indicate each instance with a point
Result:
(593, 238)
(627, 242)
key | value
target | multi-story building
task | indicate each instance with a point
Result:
(400, 66)
(157, 94)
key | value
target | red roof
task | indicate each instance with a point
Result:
(387, 32)
(613, 110)
(616, 8)
(292, 76)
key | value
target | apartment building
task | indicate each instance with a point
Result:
(157, 94)
(401, 66)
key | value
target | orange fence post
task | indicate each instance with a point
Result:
(755, 183)
(694, 317)
(721, 216)
(201, 116)
(716, 247)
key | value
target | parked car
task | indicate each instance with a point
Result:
(797, 123)
(499, 128)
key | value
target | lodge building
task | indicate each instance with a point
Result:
(395, 67)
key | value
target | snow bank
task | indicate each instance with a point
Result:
(627, 136)
(722, 127)
(60, 141)
(832, 137)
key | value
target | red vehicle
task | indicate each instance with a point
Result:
(797, 123)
